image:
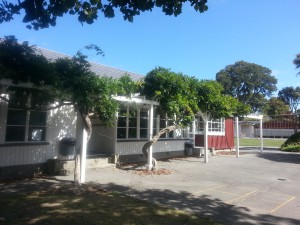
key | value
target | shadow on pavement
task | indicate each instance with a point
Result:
(202, 205)
(281, 157)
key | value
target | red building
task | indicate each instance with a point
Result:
(220, 134)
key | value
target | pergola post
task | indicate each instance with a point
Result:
(150, 137)
(83, 156)
(261, 134)
(206, 140)
(237, 137)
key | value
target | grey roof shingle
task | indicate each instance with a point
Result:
(99, 69)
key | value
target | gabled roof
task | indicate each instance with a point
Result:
(99, 69)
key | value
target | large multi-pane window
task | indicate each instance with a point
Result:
(133, 123)
(24, 125)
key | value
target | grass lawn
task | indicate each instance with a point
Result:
(268, 142)
(85, 205)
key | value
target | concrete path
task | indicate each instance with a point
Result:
(257, 188)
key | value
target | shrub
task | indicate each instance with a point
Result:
(292, 143)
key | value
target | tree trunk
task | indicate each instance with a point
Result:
(155, 138)
(88, 127)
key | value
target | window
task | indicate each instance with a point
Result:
(133, 123)
(161, 122)
(25, 125)
(215, 127)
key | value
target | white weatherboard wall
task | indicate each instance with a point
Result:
(102, 140)
(60, 123)
(135, 147)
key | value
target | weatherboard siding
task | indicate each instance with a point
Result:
(135, 147)
(60, 123)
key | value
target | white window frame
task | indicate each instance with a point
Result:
(138, 123)
(215, 127)
(5, 108)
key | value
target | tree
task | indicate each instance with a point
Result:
(297, 62)
(176, 97)
(42, 13)
(182, 97)
(275, 107)
(248, 82)
(291, 96)
(54, 84)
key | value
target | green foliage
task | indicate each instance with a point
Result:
(174, 93)
(292, 143)
(275, 107)
(62, 82)
(297, 62)
(215, 104)
(42, 14)
(182, 97)
(291, 96)
(248, 82)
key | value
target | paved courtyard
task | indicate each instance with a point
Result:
(257, 188)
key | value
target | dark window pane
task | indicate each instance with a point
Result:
(132, 133)
(144, 114)
(143, 123)
(132, 112)
(132, 122)
(36, 133)
(171, 134)
(121, 133)
(162, 124)
(37, 118)
(122, 122)
(14, 133)
(143, 133)
(16, 117)
(122, 112)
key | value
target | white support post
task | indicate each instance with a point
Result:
(261, 135)
(83, 156)
(150, 137)
(205, 140)
(237, 137)
(194, 133)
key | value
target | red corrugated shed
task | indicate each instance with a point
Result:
(219, 141)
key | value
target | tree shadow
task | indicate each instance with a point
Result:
(84, 205)
(202, 205)
(282, 157)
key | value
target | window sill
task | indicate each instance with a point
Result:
(24, 143)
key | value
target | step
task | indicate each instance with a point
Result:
(66, 167)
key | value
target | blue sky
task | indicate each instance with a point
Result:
(265, 32)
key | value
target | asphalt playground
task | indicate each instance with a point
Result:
(256, 188)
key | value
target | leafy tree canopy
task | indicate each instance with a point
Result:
(174, 93)
(214, 104)
(275, 107)
(297, 62)
(291, 96)
(42, 13)
(248, 82)
(66, 81)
